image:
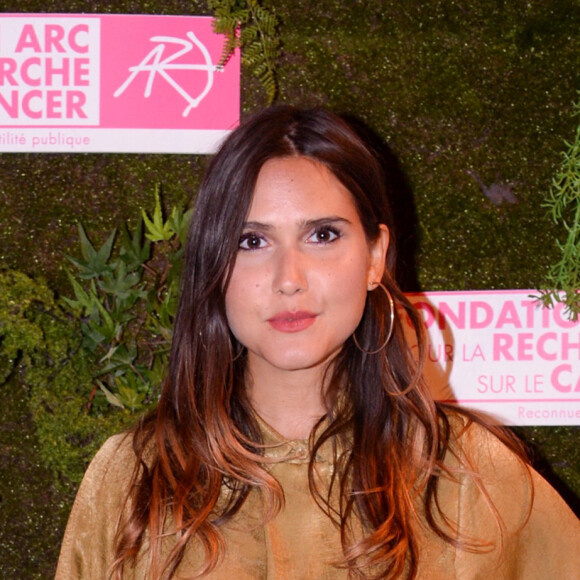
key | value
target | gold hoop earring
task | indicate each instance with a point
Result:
(391, 317)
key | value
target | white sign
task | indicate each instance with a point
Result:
(501, 352)
(114, 83)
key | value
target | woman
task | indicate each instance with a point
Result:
(294, 437)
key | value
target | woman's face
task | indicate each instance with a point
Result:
(299, 283)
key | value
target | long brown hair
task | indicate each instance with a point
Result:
(203, 436)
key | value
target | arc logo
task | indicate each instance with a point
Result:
(131, 83)
(158, 64)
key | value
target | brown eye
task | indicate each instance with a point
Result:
(251, 241)
(324, 235)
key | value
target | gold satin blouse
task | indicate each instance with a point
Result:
(301, 542)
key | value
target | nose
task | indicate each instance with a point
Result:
(289, 272)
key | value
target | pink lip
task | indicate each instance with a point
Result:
(292, 321)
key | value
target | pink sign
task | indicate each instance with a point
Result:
(115, 83)
(502, 353)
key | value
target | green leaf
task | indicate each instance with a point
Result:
(111, 399)
(129, 392)
(563, 205)
(85, 301)
(94, 262)
(134, 251)
(179, 223)
(107, 326)
(246, 24)
(121, 283)
(157, 230)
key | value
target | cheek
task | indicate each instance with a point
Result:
(234, 304)
(357, 305)
(241, 298)
(349, 289)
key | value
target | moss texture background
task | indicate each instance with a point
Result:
(461, 90)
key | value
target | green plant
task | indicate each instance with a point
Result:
(40, 350)
(90, 362)
(21, 301)
(125, 296)
(564, 206)
(251, 27)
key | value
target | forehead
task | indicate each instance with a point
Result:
(299, 185)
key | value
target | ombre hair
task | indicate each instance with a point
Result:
(203, 436)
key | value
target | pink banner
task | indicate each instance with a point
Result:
(115, 83)
(502, 353)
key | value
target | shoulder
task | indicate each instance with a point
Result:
(478, 445)
(114, 461)
(495, 474)
(504, 503)
(116, 448)
(106, 482)
(87, 546)
(481, 468)
(490, 469)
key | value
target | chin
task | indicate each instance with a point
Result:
(295, 361)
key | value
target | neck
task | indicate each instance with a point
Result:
(290, 401)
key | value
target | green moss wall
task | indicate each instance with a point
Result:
(462, 91)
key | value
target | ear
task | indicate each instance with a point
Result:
(378, 253)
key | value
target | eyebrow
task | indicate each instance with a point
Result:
(303, 224)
